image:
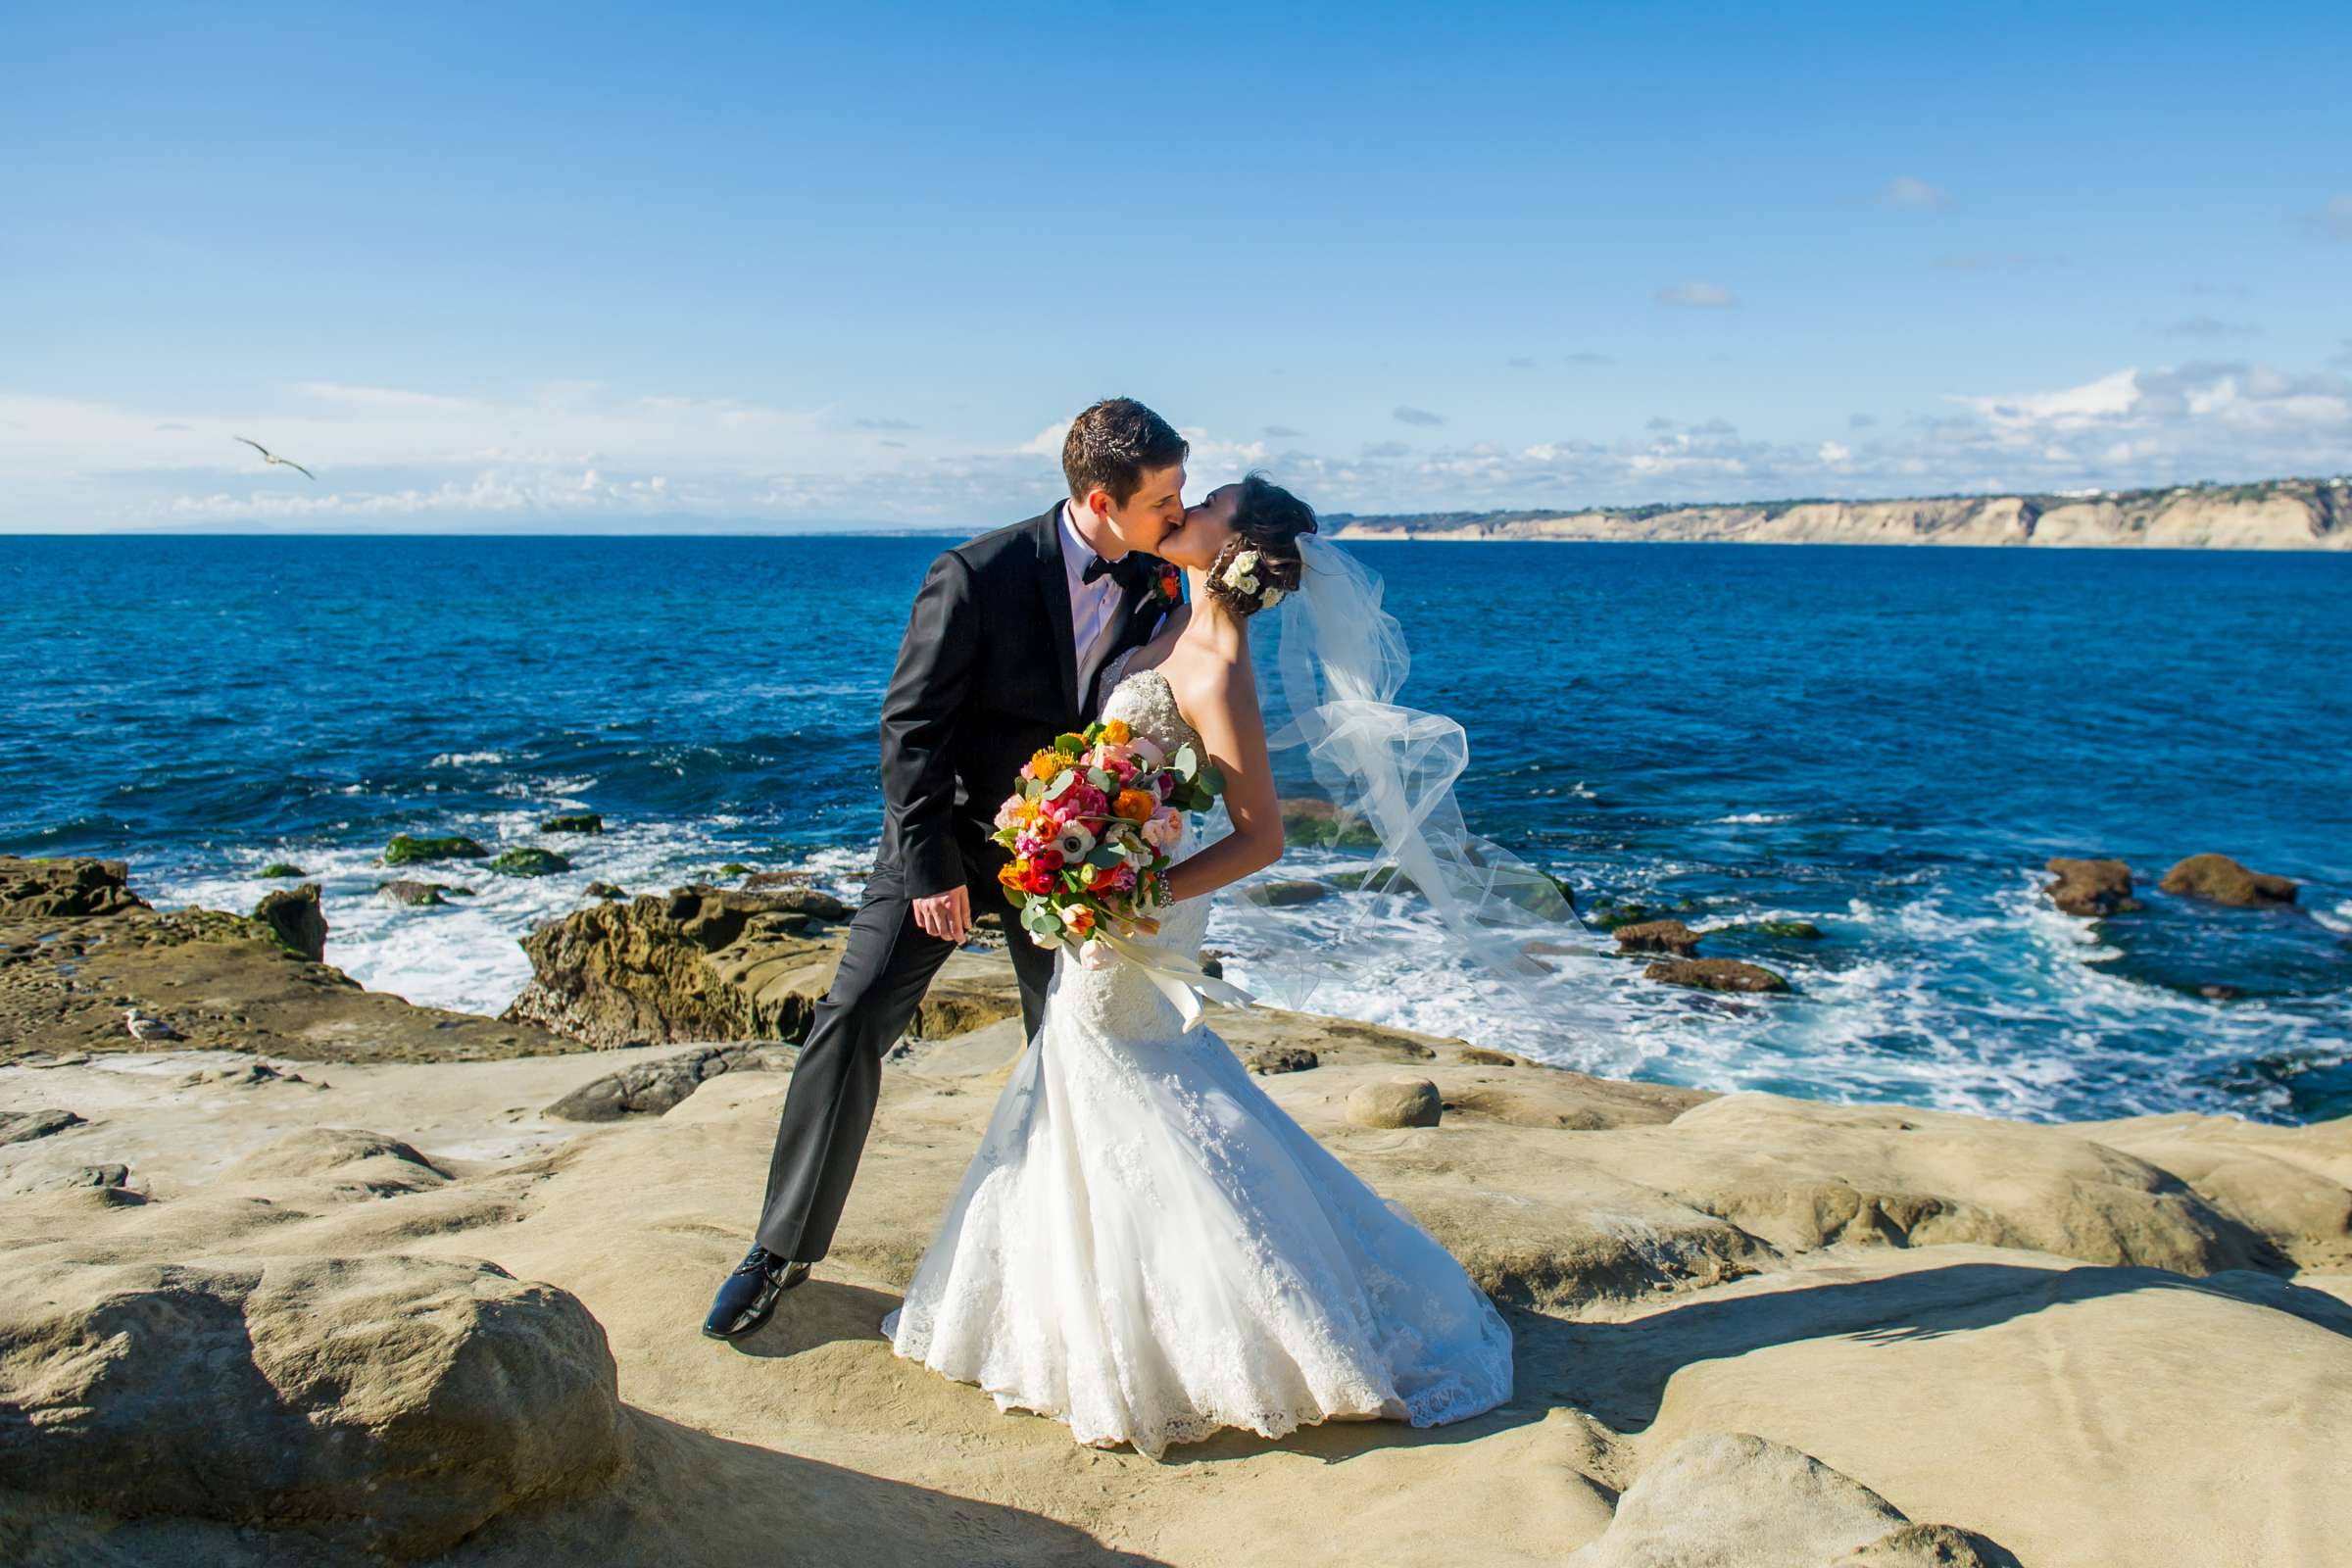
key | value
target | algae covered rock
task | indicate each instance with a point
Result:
(529, 859)
(406, 848)
(294, 918)
(1308, 820)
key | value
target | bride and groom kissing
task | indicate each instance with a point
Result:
(1144, 1246)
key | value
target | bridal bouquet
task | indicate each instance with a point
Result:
(1093, 823)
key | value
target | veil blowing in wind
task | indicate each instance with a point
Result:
(1383, 776)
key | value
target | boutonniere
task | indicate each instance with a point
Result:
(1166, 588)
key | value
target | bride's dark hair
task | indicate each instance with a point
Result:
(1267, 519)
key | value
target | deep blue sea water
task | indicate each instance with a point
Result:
(1884, 742)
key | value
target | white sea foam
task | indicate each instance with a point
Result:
(465, 759)
(1756, 816)
(1926, 994)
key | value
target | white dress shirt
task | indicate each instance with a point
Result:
(1094, 605)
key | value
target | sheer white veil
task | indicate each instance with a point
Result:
(1384, 780)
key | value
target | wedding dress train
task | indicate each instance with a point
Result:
(1148, 1249)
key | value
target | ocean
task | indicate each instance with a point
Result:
(1885, 743)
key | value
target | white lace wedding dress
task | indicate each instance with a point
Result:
(1147, 1248)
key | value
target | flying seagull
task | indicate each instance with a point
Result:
(268, 455)
(146, 1026)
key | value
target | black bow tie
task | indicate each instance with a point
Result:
(1126, 572)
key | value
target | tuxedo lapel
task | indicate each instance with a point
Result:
(1054, 585)
(1138, 616)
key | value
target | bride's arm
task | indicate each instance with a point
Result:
(1224, 709)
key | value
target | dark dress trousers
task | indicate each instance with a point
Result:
(987, 674)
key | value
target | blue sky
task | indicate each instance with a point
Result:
(510, 268)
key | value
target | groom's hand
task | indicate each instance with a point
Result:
(946, 915)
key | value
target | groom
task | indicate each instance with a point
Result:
(1001, 653)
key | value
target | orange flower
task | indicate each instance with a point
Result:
(1045, 763)
(1116, 731)
(1080, 920)
(1137, 806)
(1013, 872)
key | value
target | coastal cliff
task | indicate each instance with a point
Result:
(431, 1298)
(2275, 515)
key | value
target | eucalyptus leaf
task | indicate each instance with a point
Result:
(1061, 785)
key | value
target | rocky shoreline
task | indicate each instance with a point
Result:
(333, 1278)
(2276, 515)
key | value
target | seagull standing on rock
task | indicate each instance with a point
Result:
(268, 455)
(147, 1026)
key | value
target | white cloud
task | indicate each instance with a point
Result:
(588, 458)
(1906, 190)
(1697, 297)
(1047, 443)
(2066, 407)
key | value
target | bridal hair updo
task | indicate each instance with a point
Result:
(1261, 563)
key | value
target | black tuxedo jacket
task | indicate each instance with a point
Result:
(987, 674)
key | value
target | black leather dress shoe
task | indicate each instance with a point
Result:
(749, 1297)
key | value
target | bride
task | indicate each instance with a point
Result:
(1145, 1245)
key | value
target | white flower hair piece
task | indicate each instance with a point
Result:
(1241, 575)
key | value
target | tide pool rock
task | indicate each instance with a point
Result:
(391, 1404)
(1734, 1500)
(703, 964)
(2092, 888)
(2218, 879)
(527, 859)
(573, 822)
(1397, 1102)
(650, 1088)
(23, 1126)
(78, 887)
(281, 868)
(1716, 974)
(406, 848)
(294, 918)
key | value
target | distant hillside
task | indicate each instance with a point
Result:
(2272, 515)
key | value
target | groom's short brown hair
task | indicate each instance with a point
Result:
(1112, 445)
